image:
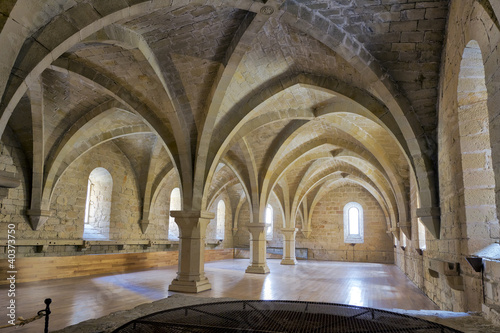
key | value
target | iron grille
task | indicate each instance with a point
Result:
(279, 316)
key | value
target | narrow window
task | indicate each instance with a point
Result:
(98, 205)
(175, 204)
(476, 148)
(90, 187)
(403, 239)
(269, 222)
(353, 223)
(221, 219)
(421, 235)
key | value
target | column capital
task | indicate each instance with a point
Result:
(256, 225)
(405, 227)
(306, 232)
(257, 230)
(430, 217)
(38, 217)
(144, 223)
(192, 214)
(9, 179)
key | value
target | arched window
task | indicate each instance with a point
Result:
(421, 235)
(98, 205)
(353, 223)
(175, 204)
(475, 146)
(221, 219)
(269, 222)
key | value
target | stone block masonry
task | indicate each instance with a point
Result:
(326, 241)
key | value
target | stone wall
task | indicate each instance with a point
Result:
(65, 227)
(466, 159)
(48, 268)
(68, 201)
(13, 205)
(326, 241)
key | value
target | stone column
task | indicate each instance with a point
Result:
(258, 263)
(289, 246)
(192, 228)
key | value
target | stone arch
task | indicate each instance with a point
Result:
(370, 107)
(98, 205)
(416, 147)
(475, 148)
(332, 181)
(241, 114)
(60, 166)
(130, 102)
(347, 170)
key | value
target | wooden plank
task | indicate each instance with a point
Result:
(46, 268)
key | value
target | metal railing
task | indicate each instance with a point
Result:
(20, 321)
(279, 316)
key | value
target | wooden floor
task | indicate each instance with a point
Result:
(82, 298)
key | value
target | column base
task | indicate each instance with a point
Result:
(190, 286)
(258, 269)
(289, 261)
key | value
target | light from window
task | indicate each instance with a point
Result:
(88, 201)
(175, 204)
(403, 239)
(353, 223)
(98, 205)
(421, 235)
(269, 222)
(221, 219)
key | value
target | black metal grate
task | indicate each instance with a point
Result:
(279, 316)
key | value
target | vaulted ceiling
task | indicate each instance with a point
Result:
(289, 96)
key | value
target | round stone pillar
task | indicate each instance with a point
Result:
(192, 229)
(258, 263)
(289, 246)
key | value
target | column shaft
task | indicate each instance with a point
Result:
(289, 246)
